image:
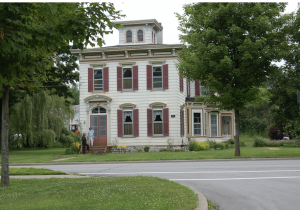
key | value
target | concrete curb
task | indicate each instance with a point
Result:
(202, 202)
(153, 161)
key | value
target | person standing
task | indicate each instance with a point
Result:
(84, 144)
(90, 134)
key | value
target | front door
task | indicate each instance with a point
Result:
(226, 125)
(99, 125)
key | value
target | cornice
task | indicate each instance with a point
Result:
(156, 24)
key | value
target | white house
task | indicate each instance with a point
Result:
(134, 94)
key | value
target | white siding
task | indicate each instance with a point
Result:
(141, 98)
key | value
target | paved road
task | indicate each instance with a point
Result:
(232, 185)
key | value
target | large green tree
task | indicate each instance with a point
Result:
(230, 48)
(32, 35)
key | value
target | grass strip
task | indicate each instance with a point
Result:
(97, 193)
(34, 171)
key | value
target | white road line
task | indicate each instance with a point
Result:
(227, 179)
(194, 172)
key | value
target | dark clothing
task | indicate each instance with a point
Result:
(84, 144)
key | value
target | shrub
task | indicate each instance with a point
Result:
(259, 142)
(66, 140)
(243, 144)
(231, 141)
(57, 144)
(204, 145)
(212, 144)
(73, 149)
(146, 148)
(193, 146)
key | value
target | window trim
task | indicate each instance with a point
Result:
(127, 78)
(98, 79)
(124, 135)
(162, 122)
(201, 118)
(217, 118)
(162, 77)
(127, 36)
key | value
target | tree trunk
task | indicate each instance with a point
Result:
(237, 133)
(4, 138)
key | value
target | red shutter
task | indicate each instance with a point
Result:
(166, 121)
(181, 123)
(197, 88)
(149, 122)
(119, 78)
(188, 89)
(105, 79)
(165, 77)
(149, 77)
(135, 78)
(181, 83)
(90, 79)
(120, 122)
(135, 122)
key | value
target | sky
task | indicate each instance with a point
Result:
(161, 10)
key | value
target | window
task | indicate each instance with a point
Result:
(98, 79)
(140, 36)
(213, 123)
(128, 36)
(157, 77)
(98, 110)
(154, 38)
(204, 91)
(127, 78)
(157, 122)
(197, 122)
(128, 122)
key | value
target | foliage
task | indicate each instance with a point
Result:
(170, 143)
(75, 94)
(259, 142)
(193, 146)
(40, 118)
(274, 132)
(73, 149)
(231, 141)
(211, 206)
(230, 47)
(146, 148)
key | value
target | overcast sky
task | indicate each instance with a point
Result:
(161, 10)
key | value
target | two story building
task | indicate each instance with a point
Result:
(133, 94)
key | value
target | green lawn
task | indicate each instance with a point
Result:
(97, 193)
(34, 171)
(47, 155)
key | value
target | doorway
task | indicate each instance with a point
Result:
(99, 125)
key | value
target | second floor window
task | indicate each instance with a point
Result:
(98, 79)
(128, 36)
(127, 78)
(157, 77)
(140, 36)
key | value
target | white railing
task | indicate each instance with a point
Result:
(226, 137)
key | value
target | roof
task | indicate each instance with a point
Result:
(157, 25)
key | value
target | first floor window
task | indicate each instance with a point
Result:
(128, 125)
(157, 122)
(213, 124)
(197, 122)
(98, 79)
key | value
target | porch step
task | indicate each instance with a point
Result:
(95, 149)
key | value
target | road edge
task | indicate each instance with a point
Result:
(202, 202)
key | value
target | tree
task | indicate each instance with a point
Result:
(75, 94)
(230, 48)
(40, 118)
(32, 35)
